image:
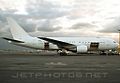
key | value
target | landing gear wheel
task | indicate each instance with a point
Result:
(103, 53)
(63, 54)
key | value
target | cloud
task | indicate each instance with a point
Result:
(37, 11)
(82, 25)
(83, 9)
(48, 26)
(44, 9)
(4, 28)
(40, 20)
(30, 24)
(45, 15)
(112, 26)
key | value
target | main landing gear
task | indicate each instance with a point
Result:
(62, 52)
(103, 53)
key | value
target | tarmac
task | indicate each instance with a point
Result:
(52, 68)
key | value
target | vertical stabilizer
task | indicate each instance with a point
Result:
(16, 30)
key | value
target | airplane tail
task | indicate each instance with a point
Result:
(16, 30)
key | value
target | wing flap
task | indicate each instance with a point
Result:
(60, 44)
(13, 40)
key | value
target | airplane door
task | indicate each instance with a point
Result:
(46, 45)
(94, 46)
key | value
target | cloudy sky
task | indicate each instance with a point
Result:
(62, 17)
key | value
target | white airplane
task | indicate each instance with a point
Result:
(61, 44)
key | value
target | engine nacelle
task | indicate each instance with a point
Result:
(53, 46)
(82, 49)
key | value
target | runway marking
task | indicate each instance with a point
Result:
(55, 68)
(56, 63)
(118, 69)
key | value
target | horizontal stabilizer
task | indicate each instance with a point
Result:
(13, 40)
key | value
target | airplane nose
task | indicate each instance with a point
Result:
(116, 45)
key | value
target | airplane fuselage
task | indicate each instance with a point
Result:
(92, 43)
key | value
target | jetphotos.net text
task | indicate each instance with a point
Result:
(59, 75)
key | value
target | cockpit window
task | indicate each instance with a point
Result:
(114, 42)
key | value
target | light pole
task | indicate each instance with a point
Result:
(119, 42)
(118, 49)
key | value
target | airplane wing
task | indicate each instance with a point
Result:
(13, 40)
(60, 44)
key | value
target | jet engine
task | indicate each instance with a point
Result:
(82, 49)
